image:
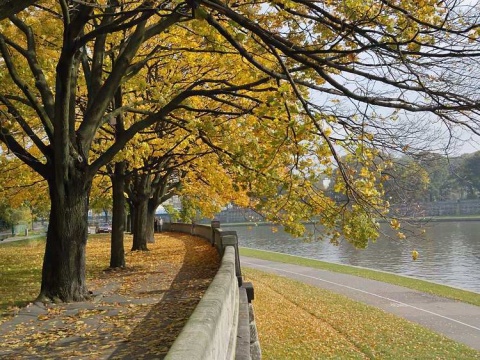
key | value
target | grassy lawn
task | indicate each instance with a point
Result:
(298, 321)
(139, 310)
(425, 286)
(295, 321)
(20, 272)
(21, 264)
(21, 268)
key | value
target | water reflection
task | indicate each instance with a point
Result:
(449, 252)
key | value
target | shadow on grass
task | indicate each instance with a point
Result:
(154, 335)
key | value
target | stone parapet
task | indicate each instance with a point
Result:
(210, 332)
(222, 326)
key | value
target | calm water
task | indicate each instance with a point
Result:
(449, 252)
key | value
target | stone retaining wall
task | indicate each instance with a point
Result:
(221, 326)
(210, 332)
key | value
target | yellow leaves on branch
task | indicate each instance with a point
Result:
(20, 184)
(208, 187)
(395, 224)
(274, 153)
(359, 227)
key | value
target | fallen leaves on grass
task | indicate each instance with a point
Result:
(138, 310)
(298, 321)
(20, 274)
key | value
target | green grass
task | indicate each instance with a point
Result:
(295, 321)
(298, 321)
(20, 272)
(421, 285)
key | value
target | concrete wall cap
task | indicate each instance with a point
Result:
(208, 332)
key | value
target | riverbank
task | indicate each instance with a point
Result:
(386, 277)
(437, 219)
(407, 219)
(299, 321)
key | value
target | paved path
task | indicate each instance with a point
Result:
(455, 320)
(18, 238)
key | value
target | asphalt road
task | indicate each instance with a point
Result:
(454, 319)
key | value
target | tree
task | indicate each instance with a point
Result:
(11, 7)
(439, 172)
(117, 250)
(147, 189)
(22, 187)
(101, 196)
(180, 165)
(159, 157)
(381, 57)
(405, 186)
(62, 124)
(470, 173)
(13, 216)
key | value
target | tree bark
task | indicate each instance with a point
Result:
(117, 250)
(131, 218)
(140, 215)
(63, 273)
(151, 221)
(129, 221)
(11, 7)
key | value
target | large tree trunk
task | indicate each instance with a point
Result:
(150, 227)
(63, 273)
(130, 218)
(150, 223)
(117, 251)
(140, 224)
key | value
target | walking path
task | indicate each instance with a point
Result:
(135, 313)
(456, 320)
(18, 238)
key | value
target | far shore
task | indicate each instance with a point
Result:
(406, 219)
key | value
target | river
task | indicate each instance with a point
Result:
(449, 252)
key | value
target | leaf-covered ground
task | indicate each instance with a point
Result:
(298, 321)
(136, 312)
